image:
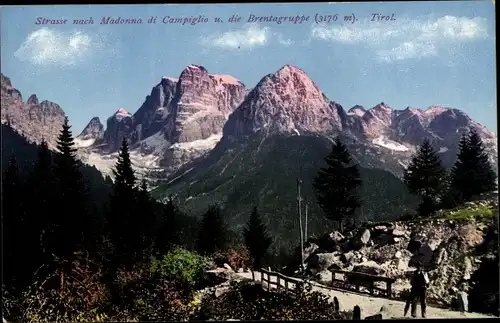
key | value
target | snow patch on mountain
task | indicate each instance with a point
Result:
(81, 143)
(389, 144)
(200, 144)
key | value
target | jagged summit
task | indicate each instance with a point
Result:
(287, 101)
(92, 132)
(357, 110)
(33, 99)
(121, 113)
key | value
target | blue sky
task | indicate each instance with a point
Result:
(434, 53)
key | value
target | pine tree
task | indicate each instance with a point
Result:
(71, 214)
(170, 233)
(472, 173)
(425, 177)
(124, 234)
(212, 235)
(336, 186)
(40, 215)
(147, 222)
(257, 239)
(12, 216)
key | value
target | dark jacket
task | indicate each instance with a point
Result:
(420, 279)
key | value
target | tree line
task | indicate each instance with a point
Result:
(336, 185)
(51, 221)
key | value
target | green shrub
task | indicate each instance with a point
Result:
(184, 267)
(476, 213)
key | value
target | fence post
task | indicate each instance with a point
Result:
(356, 313)
(336, 305)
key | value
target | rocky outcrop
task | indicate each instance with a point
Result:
(33, 119)
(92, 132)
(119, 126)
(448, 248)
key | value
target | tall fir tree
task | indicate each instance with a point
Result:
(425, 177)
(41, 188)
(125, 235)
(170, 233)
(71, 215)
(146, 208)
(336, 185)
(472, 173)
(213, 235)
(256, 237)
(12, 218)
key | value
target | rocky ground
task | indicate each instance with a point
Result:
(450, 246)
(370, 306)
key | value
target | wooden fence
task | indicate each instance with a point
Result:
(282, 281)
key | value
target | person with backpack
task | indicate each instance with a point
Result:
(419, 285)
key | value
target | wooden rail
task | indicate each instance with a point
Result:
(362, 279)
(266, 277)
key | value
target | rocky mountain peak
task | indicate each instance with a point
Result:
(287, 101)
(121, 113)
(34, 120)
(357, 110)
(202, 104)
(33, 99)
(5, 81)
(94, 130)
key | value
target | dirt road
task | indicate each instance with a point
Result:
(372, 305)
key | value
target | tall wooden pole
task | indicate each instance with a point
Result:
(299, 200)
(305, 224)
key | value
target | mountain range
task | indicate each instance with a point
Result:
(184, 118)
(209, 138)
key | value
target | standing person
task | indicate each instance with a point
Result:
(419, 285)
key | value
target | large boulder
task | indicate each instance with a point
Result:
(322, 261)
(309, 250)
(370, 267)
(361, 239)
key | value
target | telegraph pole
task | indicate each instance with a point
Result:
(305, 224)
(299, 200)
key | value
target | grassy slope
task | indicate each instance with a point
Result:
(263, 172)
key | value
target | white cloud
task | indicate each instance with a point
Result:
(48, 47)
(249, 36)
(406, 39)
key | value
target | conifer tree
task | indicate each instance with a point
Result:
(336, 185)
(147, 221)
(213, 235)
(425, 177)
(124, 234)
(257, 239)
(472, 173)
(170, 234)
(71, 214)
(12, 217)
(40, 213)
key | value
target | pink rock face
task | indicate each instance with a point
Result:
(34, 120)
(202, 104)
(285, 102)
(192, 107)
